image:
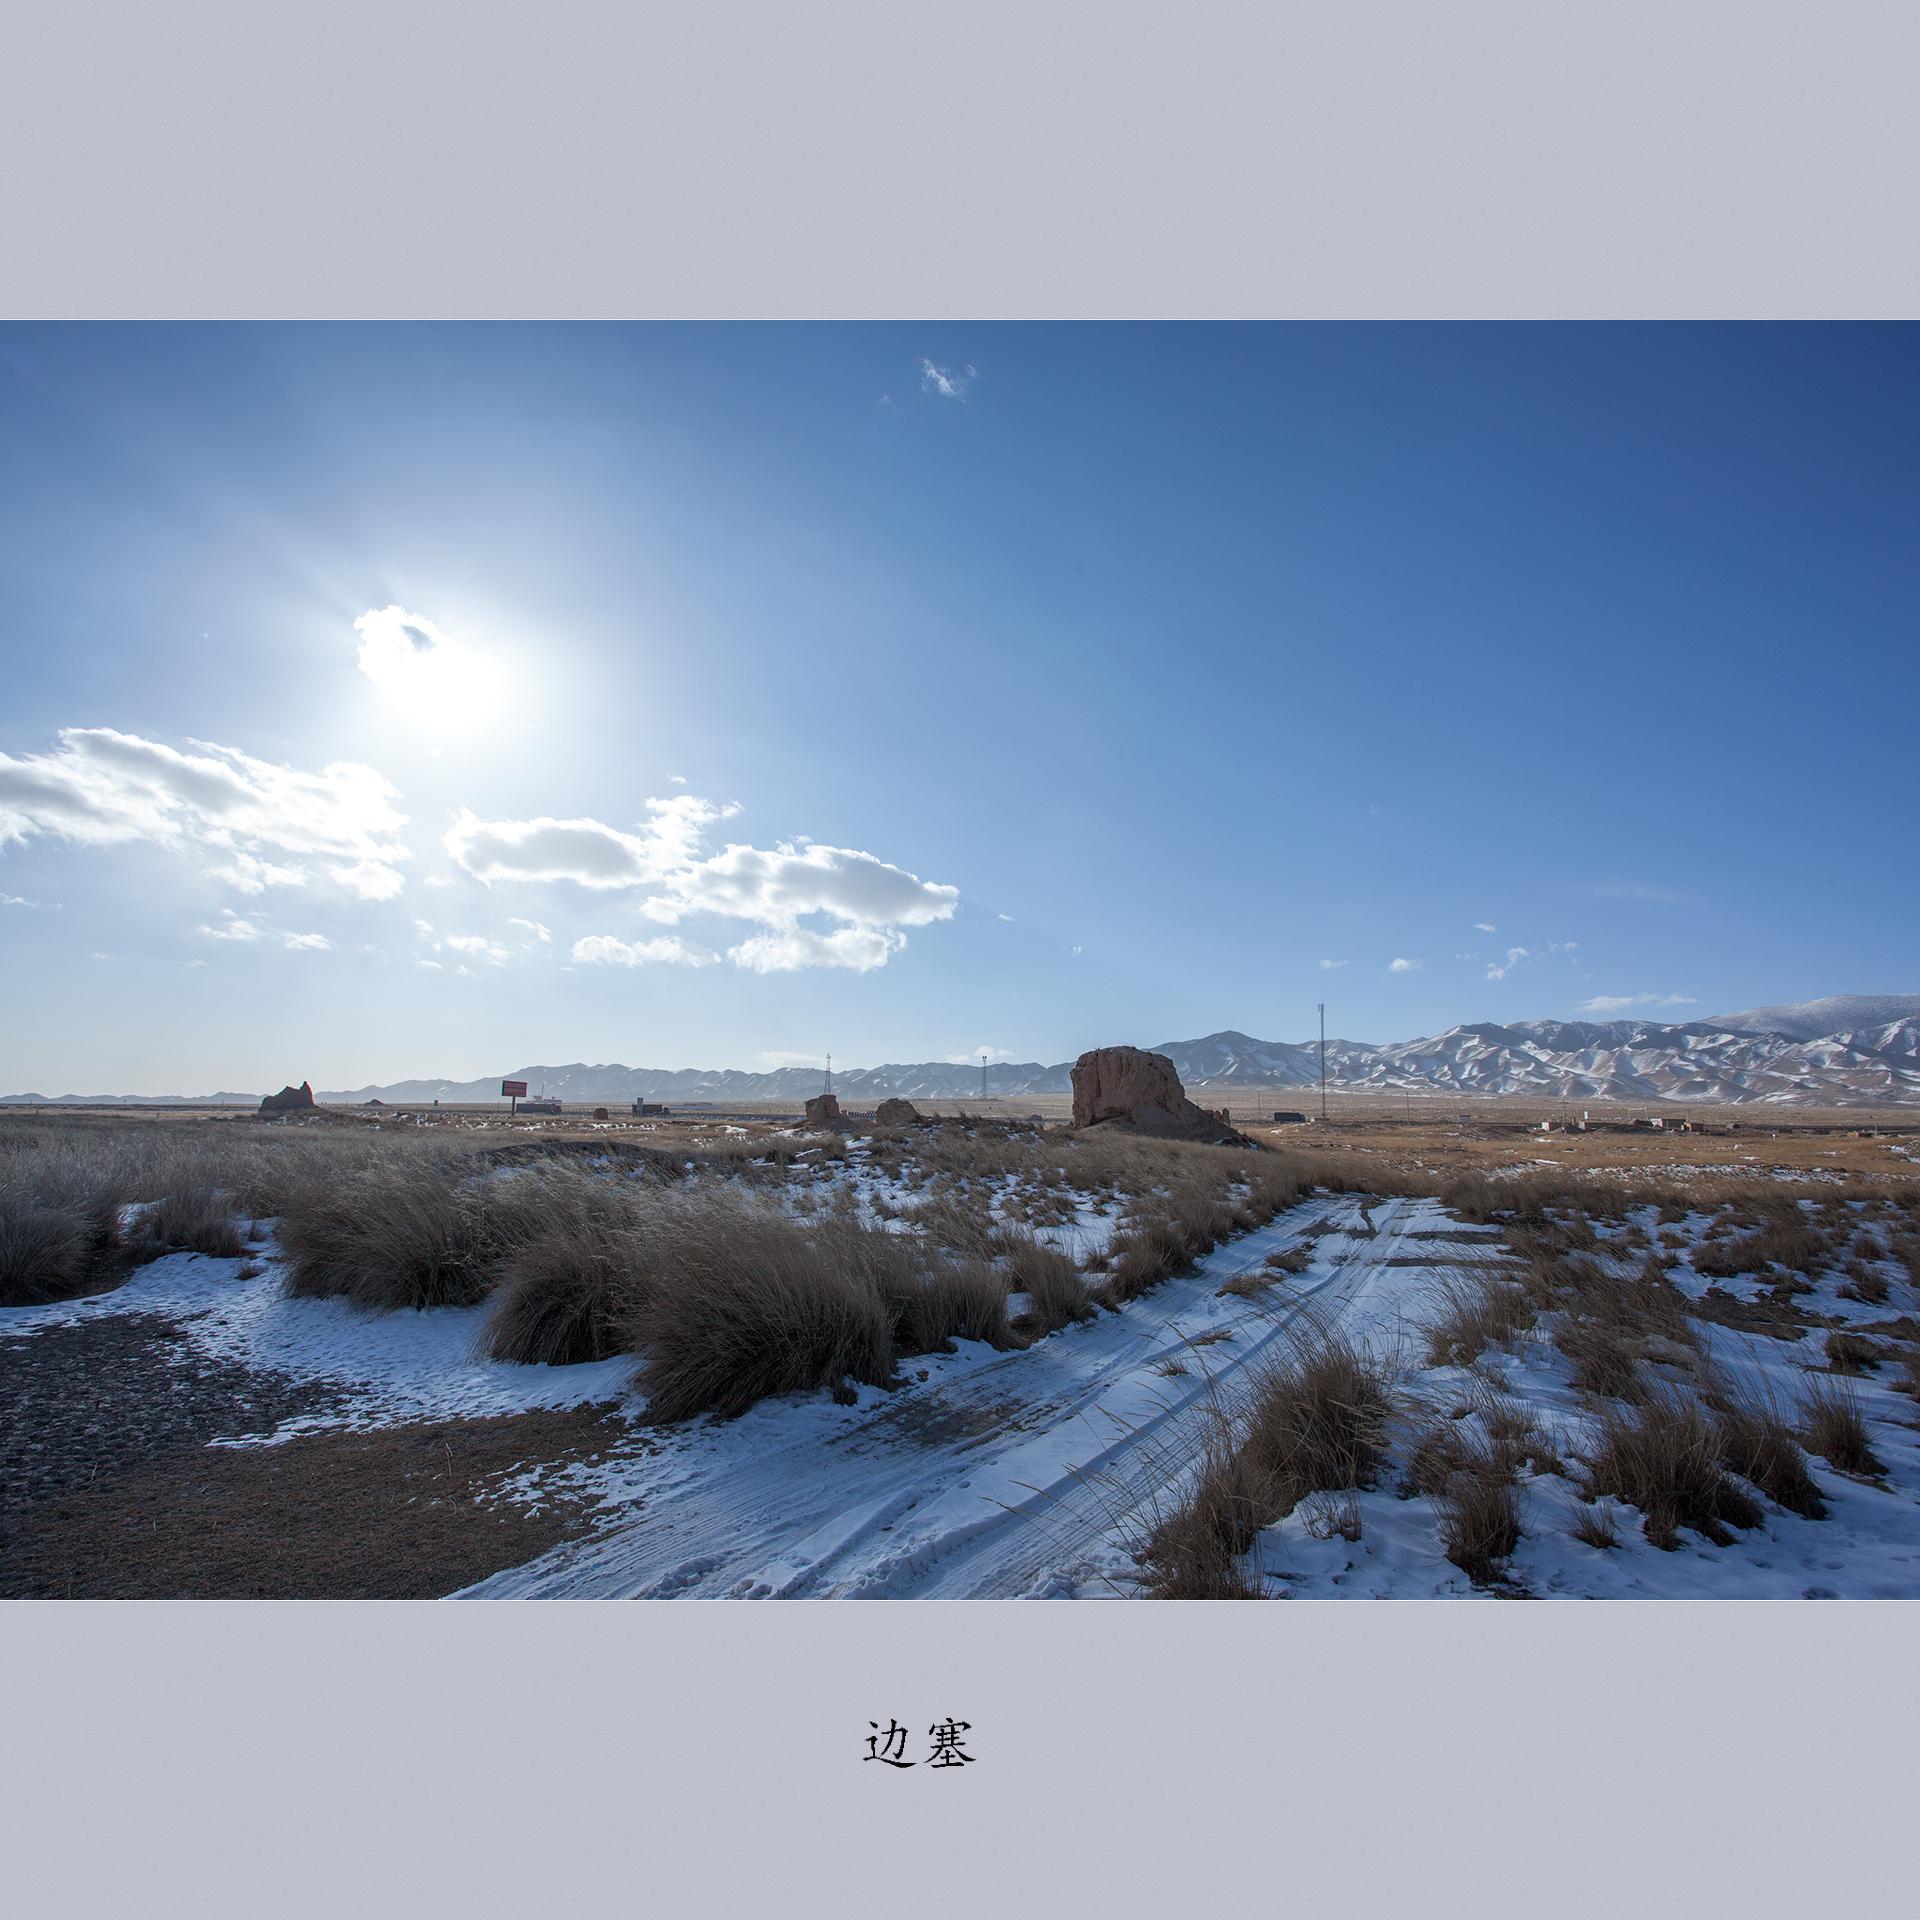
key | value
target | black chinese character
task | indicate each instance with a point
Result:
(888, 1747)
(946, 1744)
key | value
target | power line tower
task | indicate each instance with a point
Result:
(1323, 1063)
(983, 1075)
(829, 1073)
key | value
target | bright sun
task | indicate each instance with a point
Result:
(427, 674)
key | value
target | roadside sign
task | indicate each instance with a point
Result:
(513, 1089)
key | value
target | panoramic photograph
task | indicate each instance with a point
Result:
(959, 961)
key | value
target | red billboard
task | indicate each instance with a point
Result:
(513, 1089)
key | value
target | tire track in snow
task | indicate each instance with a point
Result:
(984, 1484)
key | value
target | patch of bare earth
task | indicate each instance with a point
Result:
(400, 1513)
(112, 1486)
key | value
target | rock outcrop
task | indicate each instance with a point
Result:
(896, 1113)
(823, 1110)
(1140, 1091)
(289, 1099)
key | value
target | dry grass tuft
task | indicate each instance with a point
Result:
(409, 1233)
(1836, 1429)
(1056, 1294)
(1594, 1524)
(1853, 1353)
(1315, 1423)
(744, 1303)
(193, 1219)
(1479, 1521)
(1486, 1308)
(1666, 1458)
(1757, 1443)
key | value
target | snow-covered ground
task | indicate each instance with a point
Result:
(1037, 1473)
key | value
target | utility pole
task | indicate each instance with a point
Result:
(983, 1076)
(829, 1073)
(1323, 1063)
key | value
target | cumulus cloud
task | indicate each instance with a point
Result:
(16, 900)
(534, 927)
(1404, 966)
(1499, 969)
(1330, 966)
(971, 1058)
(1621, 1002)
(588, 852)
(307, 942)
(234, 930)
(106, 788)
(667, 950)
(1485, 926)
(949, 383)
(779, 885)
(860, 949)
(864, 900)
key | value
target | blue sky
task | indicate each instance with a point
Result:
(1053, 685)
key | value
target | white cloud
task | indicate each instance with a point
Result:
(1330, 966)
(668, 950)
(1485, 926)
(1076, 950)
(1007, 917)
(16, 900)
(435, 679)
(678, 779)
(971, 1058)
(779, 1057)
(432, 966)
(395, 643)
(235, 928)
(534, 927)
(1404, 966)
(1620, 1002)
(106, 788)
(245, 874)
(947, 382)
(588, 852)
(780, 887)
(424, 928)
(793, 948)
(1499, 969)
(777, 886)
(479, 945)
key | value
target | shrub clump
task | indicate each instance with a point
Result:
(1836, 1429)
(416, 1233)
(1056, 1294)
(745, 1303)
(1666, 1458)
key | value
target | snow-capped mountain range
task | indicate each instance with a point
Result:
(1852, 1050)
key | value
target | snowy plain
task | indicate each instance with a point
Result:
(1037, 1473)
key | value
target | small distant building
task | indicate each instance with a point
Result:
(1288, 1117)
(649, 1106)
(540, 1104)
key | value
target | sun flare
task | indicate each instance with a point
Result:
(425, 673)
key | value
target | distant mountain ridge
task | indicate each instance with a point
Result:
(1848, 1050)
